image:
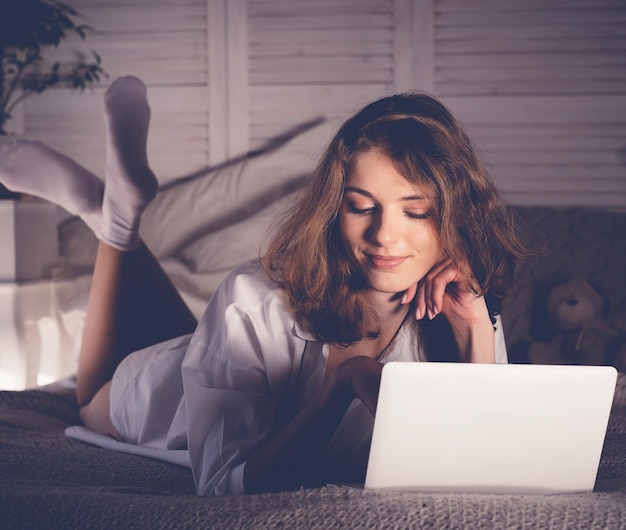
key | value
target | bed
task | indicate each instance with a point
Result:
(200, 228)
(50, 481)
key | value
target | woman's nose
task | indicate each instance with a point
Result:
(384, 229)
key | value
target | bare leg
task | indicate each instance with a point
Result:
(132, 304)
(96, 415)
(113, 324)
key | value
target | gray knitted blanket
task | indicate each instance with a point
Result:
(50, 481)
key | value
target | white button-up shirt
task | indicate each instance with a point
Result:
(243, 374)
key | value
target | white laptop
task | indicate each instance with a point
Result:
(450, 427)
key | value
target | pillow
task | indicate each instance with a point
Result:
(229, 193)
(234, 244)
(201, 266)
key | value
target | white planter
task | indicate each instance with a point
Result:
(28, 239)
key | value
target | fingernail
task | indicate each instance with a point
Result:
(418, 315)
(430, 315)
(405, 297)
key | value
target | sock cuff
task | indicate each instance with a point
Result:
(119, 236)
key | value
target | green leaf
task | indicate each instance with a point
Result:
(27, 29)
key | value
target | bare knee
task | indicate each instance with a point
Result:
(96, 415)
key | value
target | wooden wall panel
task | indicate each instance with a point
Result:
(311, 59)
(541, 86)
(72, 124)
(414, 45)
(164, 43)
(509, 48)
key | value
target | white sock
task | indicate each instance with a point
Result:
(129, 183)
(36, 169)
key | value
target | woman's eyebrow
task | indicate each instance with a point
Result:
(366, 193)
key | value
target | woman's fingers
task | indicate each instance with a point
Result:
(362, 376)
(409, 294)
(430, 291)
(445, 274)
(420, 302)
(432, 284)
(435, 285)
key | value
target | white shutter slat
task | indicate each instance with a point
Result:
(563, 197)
(159, 18)
(544, 109)
(340, 21)
(302, 41)
(304, 47)
(592, 187)
(560, 144)
(536, 45)
(515, 73)
(556, 132)
(526, 5)
(544, 174)
(554, 157)
(541, 88)
(271, 8)
(544, 60)
(345, 97)
(321, 70)
(525, 31)
(536, 17)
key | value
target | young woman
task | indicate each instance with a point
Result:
(400, 248)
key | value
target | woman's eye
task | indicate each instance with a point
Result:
(416, 215)
(361, 211)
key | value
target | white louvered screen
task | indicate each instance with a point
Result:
(541, 86)
(162, 42)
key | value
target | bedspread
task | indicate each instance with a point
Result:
(50, 481)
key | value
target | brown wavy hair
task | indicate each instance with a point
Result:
(306, 256)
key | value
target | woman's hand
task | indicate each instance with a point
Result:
(446, 290)
(359, 377)
(291, 458)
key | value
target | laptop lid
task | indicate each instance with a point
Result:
(489, 427)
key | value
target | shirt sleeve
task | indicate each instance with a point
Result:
(234, 376)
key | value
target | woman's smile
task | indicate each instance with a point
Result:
(386, 262)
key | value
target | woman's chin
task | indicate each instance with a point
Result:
(391, 283)
(393, 289)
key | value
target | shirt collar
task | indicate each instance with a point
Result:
(304, 331)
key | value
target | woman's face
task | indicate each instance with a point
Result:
(386, 224)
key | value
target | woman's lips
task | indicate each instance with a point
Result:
(385, 262)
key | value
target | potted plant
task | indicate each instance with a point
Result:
(27, 29)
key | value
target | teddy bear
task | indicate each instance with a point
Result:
(583, 336)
